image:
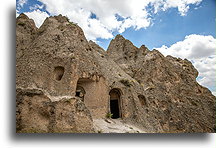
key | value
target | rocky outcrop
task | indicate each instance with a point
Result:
(36, 113)
(48, 60)
(65, 82)
(173, 96)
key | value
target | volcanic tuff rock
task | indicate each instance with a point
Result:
(65, 82)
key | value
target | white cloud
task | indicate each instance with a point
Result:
(21, 3)
(38, 16)
(192, 47)
(34, 7)
(101, 30)
(201, 50)
(181, 5)
(134, 13)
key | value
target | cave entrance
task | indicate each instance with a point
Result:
(85, 90)
(115, 104)
(80, 92)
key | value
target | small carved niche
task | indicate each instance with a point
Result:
(142, 100)
(58, 73)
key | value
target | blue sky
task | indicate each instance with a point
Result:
(181, 28)
(169, 27)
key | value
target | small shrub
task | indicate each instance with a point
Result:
(126, 82)
(72, 23)
(68, 101)
(109, 115)
(139, 81)
(21, 24)
(61, 27)
(67, 18)
(194, 103)
(41, 31)
(184, 65)
(100, 131)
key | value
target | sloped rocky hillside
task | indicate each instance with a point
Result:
(64, 83)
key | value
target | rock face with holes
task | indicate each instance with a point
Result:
(170, 92)
(52, 59)
(65, 83)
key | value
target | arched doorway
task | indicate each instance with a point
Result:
(115, 103)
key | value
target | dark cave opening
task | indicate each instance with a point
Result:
(114, 108)
(115, 103)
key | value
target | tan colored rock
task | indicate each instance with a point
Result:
(173, 96)
(64, 83)
(36, 113)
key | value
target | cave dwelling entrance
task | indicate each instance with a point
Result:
(115, 103)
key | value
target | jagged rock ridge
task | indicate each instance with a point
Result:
(65, 83)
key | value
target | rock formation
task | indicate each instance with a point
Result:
(64, 83)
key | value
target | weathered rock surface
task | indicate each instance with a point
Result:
(115, 126)
(36, 113)
(172, 94)
(65, 82)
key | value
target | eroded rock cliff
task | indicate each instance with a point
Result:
(172, 94)
(65, 82)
